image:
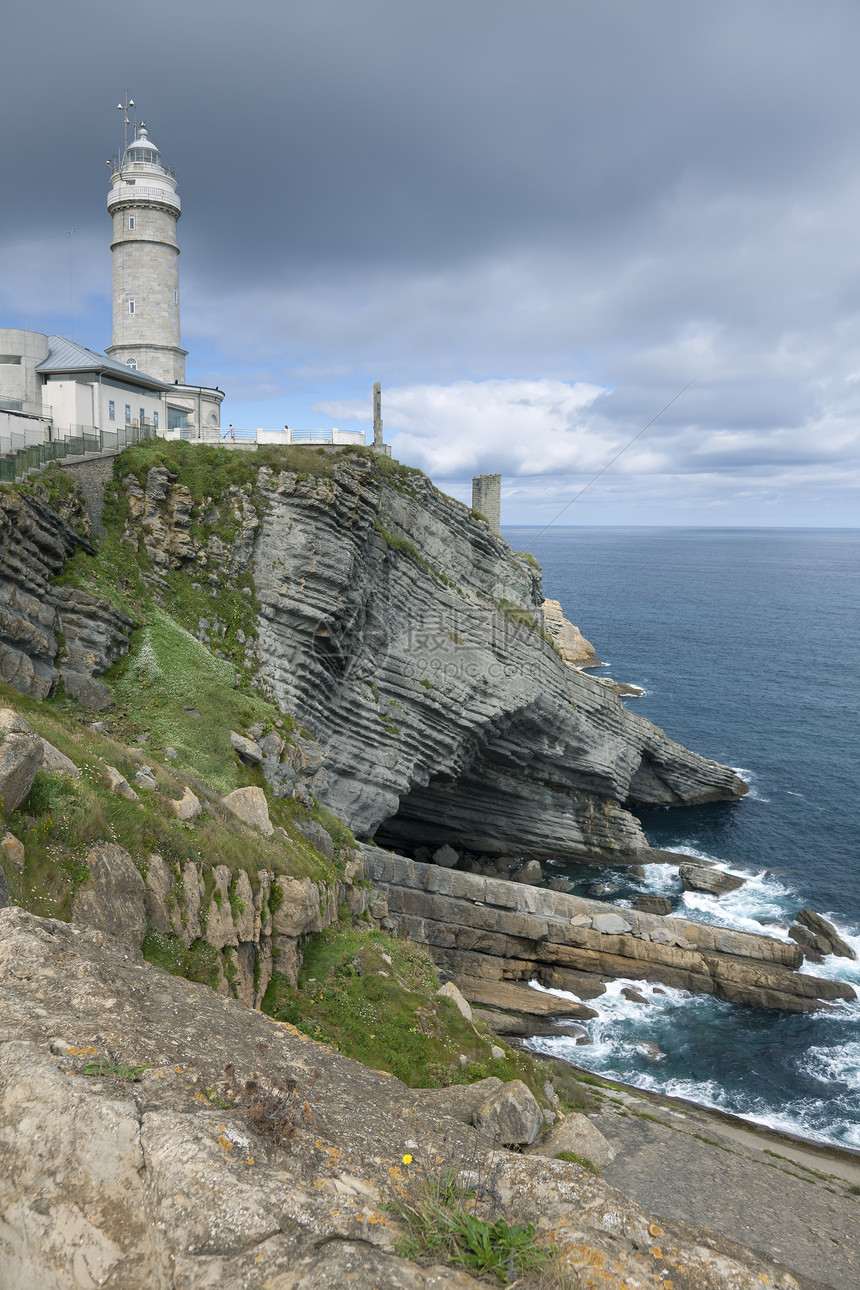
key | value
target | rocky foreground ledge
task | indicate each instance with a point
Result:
(487, 932)
(169, 1181)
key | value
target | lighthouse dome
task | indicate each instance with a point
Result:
(143, 149)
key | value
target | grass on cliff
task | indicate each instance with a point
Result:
(176, 691)
(62, 818)
(373, 997)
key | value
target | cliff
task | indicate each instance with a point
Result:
(410, 640)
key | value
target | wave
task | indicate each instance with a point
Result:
(647, 1047)
(750, 777)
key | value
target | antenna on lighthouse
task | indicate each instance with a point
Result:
(123, 107)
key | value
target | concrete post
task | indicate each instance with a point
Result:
(377, 415)
(487, 499)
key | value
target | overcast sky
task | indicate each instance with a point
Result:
(533, 221)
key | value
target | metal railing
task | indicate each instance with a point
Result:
(141, 192)
(15, 463)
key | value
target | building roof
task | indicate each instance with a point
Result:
(68, 356)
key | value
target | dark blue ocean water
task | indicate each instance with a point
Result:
(746, 642)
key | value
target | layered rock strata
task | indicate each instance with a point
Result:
(167, 1181)
(484, 929)
(410, 640)
(47, 630)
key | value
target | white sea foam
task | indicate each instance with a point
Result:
(750, 776)
(560, 994)
(839, 1064)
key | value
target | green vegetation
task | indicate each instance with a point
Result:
(442, 1223)
(107, 1066)
(154, 685)
(574, 1159)
(373, 997)
(529, 559)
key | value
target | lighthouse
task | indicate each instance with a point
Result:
(144, 205)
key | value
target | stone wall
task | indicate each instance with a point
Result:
(91, 477)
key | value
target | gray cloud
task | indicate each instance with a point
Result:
(459, 195)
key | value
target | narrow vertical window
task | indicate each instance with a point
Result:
(111, 410)
(128, 414)
(131, 305)
(131, 221)
(142, 415)
(155, 420)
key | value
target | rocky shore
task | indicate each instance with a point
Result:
(488, 930)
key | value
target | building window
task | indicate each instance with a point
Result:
(131, 221)
(213, 419)
(142, 415)
(176, 419)
(131, 305)
(131, 362)
(111, 410)
(128, 414)
(176, 295)
(155, 420)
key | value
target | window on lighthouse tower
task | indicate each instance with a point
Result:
(131, 305)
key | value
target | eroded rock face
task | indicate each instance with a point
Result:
(575, 649)
(408, 638)
(43, 625)
(149, 1184)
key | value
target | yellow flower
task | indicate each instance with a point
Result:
(407, 1160)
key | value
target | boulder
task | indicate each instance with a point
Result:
(450, 991)
(560, 884)
(57, 762)
(713, 881)
(826, 939)
(144, 777)
(250, 806)
(187, 808)
(611, 924)
(531, 873)
(633, 996)
(446, 856)
(249, 750)
(119, 784)
(295, 905)
(89, 692)
(113, 899)
(12, 850)
(20, 759)
(576, 1134)
(646, 904)
(510, 1115)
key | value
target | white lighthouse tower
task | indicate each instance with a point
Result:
(144, 204)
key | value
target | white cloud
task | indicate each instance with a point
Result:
(469, 427)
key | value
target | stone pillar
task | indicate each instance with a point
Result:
(377, 415)
(487, 499)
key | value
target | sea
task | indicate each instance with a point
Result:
(745, 642)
